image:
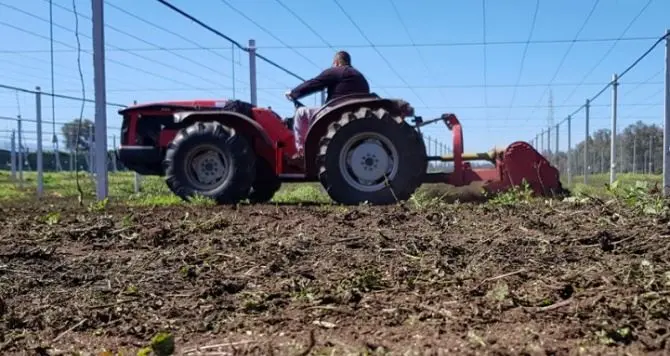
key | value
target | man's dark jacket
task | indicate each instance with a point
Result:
(339, 81)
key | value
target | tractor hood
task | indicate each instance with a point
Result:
(177, 104)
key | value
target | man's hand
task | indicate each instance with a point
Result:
(288, 96)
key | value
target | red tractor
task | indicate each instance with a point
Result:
(360, 147)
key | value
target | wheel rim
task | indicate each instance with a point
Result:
(206, 167)
(368, 160)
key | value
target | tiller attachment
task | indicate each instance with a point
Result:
(519, 162)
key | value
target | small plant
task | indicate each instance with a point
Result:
(98, 205)
(424, 201)
(202, 200)
(514, 196)
(639, 198)
(52, 218)
(127, 221)
(161, 345)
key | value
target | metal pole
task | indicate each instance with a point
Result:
(40, 164)
(666, 128)
(644, 163)
(615, 84)
(98, 19)
(114, 168)
(556, 150)
(622, 163)
(651, 155)
(137, 182)
(542, 142)
(91, 150)
(20, 131)
(252, 71)
(549, 143)
(232, 56)
(13, 155)
(586, 143)
(569, 162)
(54, 138)
(634, 154)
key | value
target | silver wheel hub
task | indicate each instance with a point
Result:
(206, 167)
(368, 161)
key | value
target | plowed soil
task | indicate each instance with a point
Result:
(286, 280)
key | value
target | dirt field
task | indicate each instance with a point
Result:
(289, 280)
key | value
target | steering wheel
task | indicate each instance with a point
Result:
(296, 102)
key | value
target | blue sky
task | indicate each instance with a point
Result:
(433, 46)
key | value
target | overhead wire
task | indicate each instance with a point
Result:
(523, 58)
(152, 60)
(199, 46)
(420, 55)
(360, 31)
(125, 33)
(445, 86)
(631, 66)
(310, 28)
(607, 53)
(83, 98)
(384, 45)
(639, 84)
(567, 52)
(228, 38)
(110, 60)
(176, 34)
(268, 32)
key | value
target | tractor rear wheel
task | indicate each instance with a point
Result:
(210, 160)
(369, 155)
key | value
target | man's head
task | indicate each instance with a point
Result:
(342, 58)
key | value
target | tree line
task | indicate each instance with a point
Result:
(639, 149)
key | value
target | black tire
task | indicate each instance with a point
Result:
(402, 141)
(266, 184)
(235, 182)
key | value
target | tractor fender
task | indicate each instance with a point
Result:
(328, 114)
(261, 142)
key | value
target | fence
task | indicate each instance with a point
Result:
(255, 77)
(634, 148)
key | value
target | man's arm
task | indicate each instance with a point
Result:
(318, 83)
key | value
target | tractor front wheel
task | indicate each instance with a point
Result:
(369, 155)
(210, 160)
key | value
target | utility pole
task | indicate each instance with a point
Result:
(586, 144)
(666, 129)
(569, 162)
(252, 71)
(634, 154)
(615, 84)
(651, 155)
(98, 19)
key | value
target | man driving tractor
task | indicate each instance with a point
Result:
(340, 79)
